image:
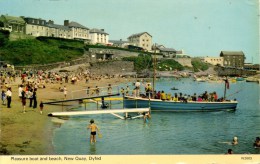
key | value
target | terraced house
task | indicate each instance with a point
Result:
(77, 31)
(35, 27)
(40, 27)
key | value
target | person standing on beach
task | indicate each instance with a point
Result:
(20, 90)
(65, 92)
(9, 97)
(30, 96)
(23, 100)
(93, 131)
(34, 99)
(41, 107)
(87, 91)
(3, 97)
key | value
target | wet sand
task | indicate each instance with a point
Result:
(30, 133)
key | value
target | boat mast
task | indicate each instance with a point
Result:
(225, 90)
(154, 69)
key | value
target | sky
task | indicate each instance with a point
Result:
(198, 27)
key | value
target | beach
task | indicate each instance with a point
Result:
(30, 133)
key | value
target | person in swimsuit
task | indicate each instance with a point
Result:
(93, 131)
(235, 141)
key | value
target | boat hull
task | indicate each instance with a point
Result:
(159, 105)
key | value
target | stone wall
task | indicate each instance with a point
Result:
(111, 67)
(117, 54)
(184, 61)
(224, 71)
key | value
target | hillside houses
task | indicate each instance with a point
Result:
(140, 41)
(40, 27)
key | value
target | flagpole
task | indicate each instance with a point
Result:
(154, 70)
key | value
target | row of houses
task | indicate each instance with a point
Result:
(73, 30)
(69, 30)
(40, 27)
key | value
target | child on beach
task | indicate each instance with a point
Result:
(41, 107)
(3, 97)
(65, 92)
(93, 131)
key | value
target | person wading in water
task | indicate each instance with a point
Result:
(93, 131)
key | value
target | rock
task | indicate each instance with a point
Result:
(4, 151)
(22, 150)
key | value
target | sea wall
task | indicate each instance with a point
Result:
(111, 67)
(224, 71)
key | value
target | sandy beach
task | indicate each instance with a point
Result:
(30, 133)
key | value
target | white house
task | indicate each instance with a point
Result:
(98, 36)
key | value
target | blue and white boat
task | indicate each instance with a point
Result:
(190, 106)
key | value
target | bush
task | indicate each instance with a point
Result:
(199, 65)
(4, 37)
(37, 51)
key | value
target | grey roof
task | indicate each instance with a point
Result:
(139, 34)
(95, 30)
(58, 26)
(231, 53)
(167, 49)
(75, 24)
(118, 41)
(13, 19)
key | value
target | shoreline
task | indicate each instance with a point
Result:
(31, 133)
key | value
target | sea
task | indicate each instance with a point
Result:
(168, 133)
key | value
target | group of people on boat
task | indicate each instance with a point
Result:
(180, 97)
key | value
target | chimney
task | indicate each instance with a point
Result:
(66, 22)
(102, 30)
(51, 22)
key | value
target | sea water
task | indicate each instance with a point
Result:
(169, 132)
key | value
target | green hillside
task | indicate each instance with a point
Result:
(41, 50)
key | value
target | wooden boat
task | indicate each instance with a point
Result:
(240, 79)
(191, 106)
(173, 88)
(252, 79)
